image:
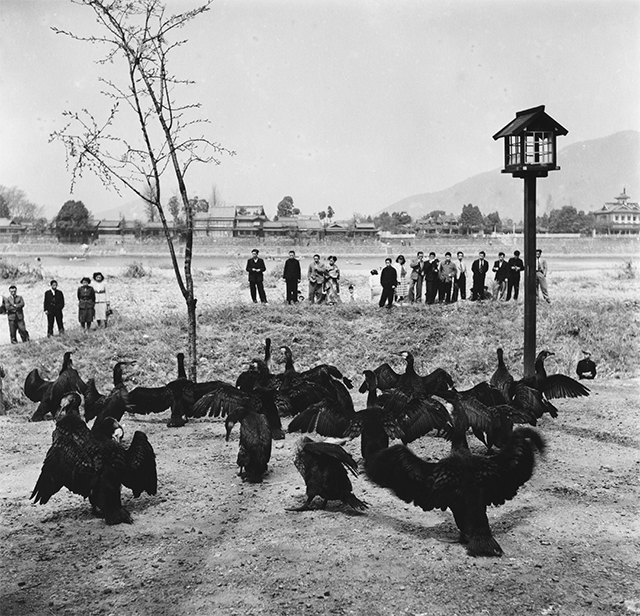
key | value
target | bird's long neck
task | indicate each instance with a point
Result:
(288, 364)
(117, 374)
(182, 374)
(66, 363)
(541, 373)
(410, 369)
(372, 396)
(500, 359)
(267, 350)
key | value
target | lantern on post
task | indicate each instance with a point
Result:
(530, 152)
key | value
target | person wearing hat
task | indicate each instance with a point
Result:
(516, 265)
(12, 305)
(256, 268)
(86, 303)
(102, 299)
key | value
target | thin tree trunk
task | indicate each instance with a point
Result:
(3, 410)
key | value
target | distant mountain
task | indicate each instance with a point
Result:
(131, 210)
(591, 173)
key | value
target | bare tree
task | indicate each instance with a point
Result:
(216, 200)
(14, 202)
(140, 33)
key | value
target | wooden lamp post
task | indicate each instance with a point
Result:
(529, 153)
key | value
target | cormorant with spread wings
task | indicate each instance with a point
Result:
(50, 393)
(465, 482)
(94, 464)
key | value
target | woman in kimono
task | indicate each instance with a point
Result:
(102, 299)
(86, 303)
(402, 290)
(332, 282)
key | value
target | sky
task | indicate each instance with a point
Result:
(355, 104)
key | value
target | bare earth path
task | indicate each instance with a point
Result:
(209, 544)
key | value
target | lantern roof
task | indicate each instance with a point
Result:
(531, 119)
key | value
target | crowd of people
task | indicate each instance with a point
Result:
(445, 281)
(435, 280)
(93, 304)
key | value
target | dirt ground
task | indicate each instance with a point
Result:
(209, 544)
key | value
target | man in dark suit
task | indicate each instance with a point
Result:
(292, 276)
(431, 277)
(516, 265)
(417, 277)
(256, 269)
(388, 282)
(501, 271)
(12, 306)
(53, 305)
(479, 267)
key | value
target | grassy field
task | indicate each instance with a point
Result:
(600, 315)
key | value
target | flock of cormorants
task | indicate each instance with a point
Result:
(94, 463)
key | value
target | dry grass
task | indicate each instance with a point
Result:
(149, 326)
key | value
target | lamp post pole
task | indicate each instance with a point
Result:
(529, 273)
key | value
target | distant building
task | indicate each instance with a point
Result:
(620, 216)
(10, 231)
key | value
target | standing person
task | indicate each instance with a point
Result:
(353, 297)
(86, 303)
(541, 277)
(460, 284)
(292, 276)
(374, 285)
(12, 306)
(431, 277)
(102, 307)
(416, 278)
(479, 267)
(501, 271)
(516, 266)
(332, 282)
(315, 276)
(388, 282)
(53, 305)
(256, 269)
(402, 288)
(446, 274)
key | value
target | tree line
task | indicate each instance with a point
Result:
(75, 222)
(567, 219)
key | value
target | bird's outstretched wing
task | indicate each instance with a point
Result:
(326, 417)
(222, 401)
(416, 415)
(501, 475)
(438, 380)
(563, 386)
(35, 386)
(531, 400)
(145, 400)
(332, 450)
(71, 461)
(140, 460)
(387, 378)
(404, 473)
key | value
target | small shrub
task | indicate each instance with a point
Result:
(628, 271)
(19, 271)
(136, 270)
